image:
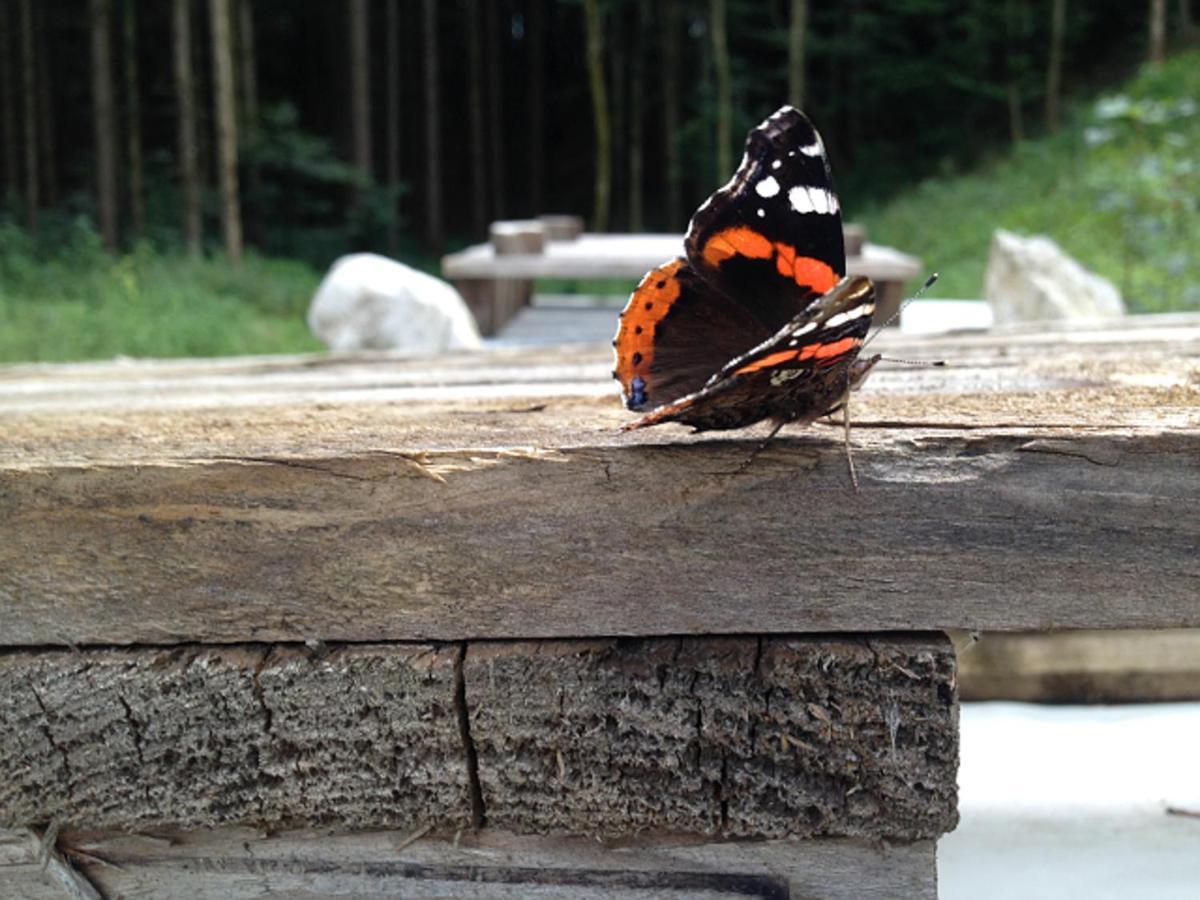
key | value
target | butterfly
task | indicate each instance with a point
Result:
(758, 320)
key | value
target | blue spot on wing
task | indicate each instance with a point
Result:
(637, 392)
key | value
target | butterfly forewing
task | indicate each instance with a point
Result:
(772, 237)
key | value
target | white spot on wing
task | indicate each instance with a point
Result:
(849, 315)
(802, 331)
(813, 200)
(816, 148)
(776, 164)
(768, 187)
(761, 212)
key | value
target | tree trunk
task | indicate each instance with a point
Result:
(133, 125)
(29, 94)
(392, 13)
(615, 43)
(1187, 24)
(797, 26)
(226, 115)
(104, 120)
(479, 200)
(720, 45)
(8, 106)
(536, 37)
(636, 114)
(49, 142)
(669, 74)
(595, 59)
(1015, 63)
(185, 101)
(1158, 31)
(494, 43)
(1058, 20)
(433, 137)
(360, 85)
(248, 79)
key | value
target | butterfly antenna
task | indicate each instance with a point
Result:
(894, 316)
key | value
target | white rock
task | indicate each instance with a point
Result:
(1032, 279)
(370, 302)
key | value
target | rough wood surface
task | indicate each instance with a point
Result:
(726, 736)
(1084, 667)
(1047, 479)
(244, 864)
(729, 738)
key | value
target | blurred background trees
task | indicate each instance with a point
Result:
(306, 129)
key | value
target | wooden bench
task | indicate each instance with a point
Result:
(496, 279)
(419, 627)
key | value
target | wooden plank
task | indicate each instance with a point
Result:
(1045, 480)
(735, 736)
(234, 863)
(732, 738)
(33, 869)
(631, 256)
(1084, 667)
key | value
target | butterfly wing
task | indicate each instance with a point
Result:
(772, 237)
(760, 251)
(798, 374)
(675, 333)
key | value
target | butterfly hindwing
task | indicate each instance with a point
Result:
(675, 332)
(798, 374)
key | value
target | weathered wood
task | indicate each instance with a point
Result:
(1084, 667)
(734, 736)
(1046, 480)
(724, 738)
(241, 863)
(202, 736)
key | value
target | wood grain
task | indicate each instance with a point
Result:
(725, 738)
(1047, 480)
(243, 863)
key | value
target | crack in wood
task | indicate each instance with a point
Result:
(44, 726)
(470, 753)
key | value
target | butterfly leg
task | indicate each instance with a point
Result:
(846, 435)
(761, 447)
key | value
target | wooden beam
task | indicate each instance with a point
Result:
(724, 738)
(1046, 480)
(244, 863)
(1084, 667)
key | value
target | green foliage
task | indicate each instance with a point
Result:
(63, 298)
(301, 201)
(1118, 188)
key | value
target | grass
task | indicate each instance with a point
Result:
(1118, 188)
(63, 298)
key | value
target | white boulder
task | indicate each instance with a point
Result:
(1032, 279)
(370, 302)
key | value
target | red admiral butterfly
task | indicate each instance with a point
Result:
(758, 321)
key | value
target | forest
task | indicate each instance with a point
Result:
(176, 174)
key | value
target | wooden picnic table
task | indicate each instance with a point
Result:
(444, 613)
(496, 285)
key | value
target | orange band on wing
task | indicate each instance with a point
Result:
(744, 241)
(647, 306)
(772, 359)
(812, 351)
(825, 351)
(739, 241)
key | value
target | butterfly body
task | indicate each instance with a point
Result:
(758, 320)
